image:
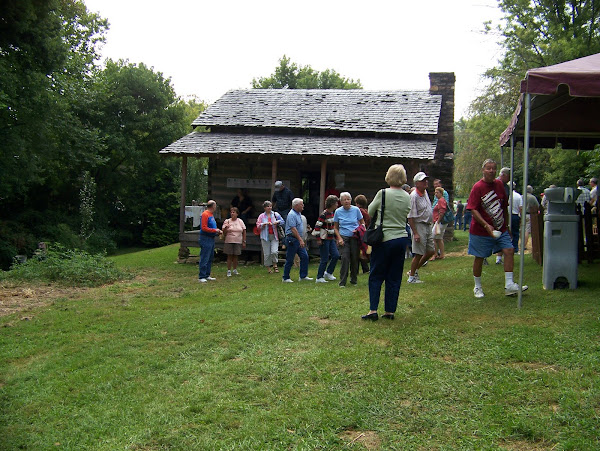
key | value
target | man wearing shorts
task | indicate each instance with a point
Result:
(488, 204)
(420, 219)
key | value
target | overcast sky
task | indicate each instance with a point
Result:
(210, 47)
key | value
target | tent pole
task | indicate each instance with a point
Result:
(502, 156)
(525, 182)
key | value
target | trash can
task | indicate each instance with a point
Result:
(561, 223)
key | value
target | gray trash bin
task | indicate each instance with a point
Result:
(560, 239)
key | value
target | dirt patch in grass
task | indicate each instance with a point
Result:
(368, 439)
(535, 366)
(325, 321)
(25, 298)
(522, 445)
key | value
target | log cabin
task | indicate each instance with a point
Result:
(314, 139)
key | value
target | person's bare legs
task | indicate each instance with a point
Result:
(477, 266)
(509, 259)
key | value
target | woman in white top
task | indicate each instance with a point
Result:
(267, 223)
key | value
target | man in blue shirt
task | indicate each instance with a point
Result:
(294, 229)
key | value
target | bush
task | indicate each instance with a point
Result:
(66, 266)
(15, 239)
(101, 242)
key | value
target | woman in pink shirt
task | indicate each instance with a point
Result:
(440, 209)
(235, 239)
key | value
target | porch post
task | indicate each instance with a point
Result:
(273, 175)
(322, 186)
(183, 184)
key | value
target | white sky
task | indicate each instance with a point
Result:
(210, 47)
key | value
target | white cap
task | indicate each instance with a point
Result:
(278, 184)
(419, 176)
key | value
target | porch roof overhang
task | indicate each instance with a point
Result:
(211, 144)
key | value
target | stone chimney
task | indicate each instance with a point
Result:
(442, 83)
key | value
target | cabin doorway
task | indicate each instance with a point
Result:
(311, 192)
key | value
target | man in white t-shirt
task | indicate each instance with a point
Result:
(516, 206)
(594, 192)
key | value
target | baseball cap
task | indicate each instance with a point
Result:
(278, 184)
(419, 176)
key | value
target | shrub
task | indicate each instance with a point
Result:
(66, 266)
(100, 242)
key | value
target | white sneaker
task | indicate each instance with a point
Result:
(320, 280)
(211, 278)
(478, 292)
(288, 281)
(306, 278)
(513, 288)
(328, 276)
(235, 272)
(228, 273)
(414, 279)
(498, 261)
(203, 280)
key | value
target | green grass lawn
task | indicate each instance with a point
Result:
(163, 362)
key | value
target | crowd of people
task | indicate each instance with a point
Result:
(413, 227)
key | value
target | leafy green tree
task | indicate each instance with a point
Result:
(290, 75)
(137, 113)
(48, 48)
(534, 33)
(197, 175)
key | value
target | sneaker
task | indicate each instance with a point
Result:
(203, 280)
(288, 281)
(342, 286)
(320, 280)
(513, 288)
(485, 262)
(228, 273)
(211, 278)
(306, 279)
(498, 261)
(478, 291)
(328, 276)
(235, 272)
(414, 279)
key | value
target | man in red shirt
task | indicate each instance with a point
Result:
(488, 204)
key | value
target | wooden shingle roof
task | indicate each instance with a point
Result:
(207, 144)
(356, 110)
(335, 122)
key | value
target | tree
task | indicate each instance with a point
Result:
(537, 33)
(534, 33)
(290, 75)
(48, 49)
(137, 113)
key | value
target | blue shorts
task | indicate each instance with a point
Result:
(484, 246)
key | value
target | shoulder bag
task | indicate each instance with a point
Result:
(374, 234)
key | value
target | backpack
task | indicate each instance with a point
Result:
(448, 217)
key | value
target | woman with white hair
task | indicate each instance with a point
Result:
(387, 257)
(267, 224)
(346, 221)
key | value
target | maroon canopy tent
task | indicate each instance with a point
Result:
(565, 106)
(558, 104)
